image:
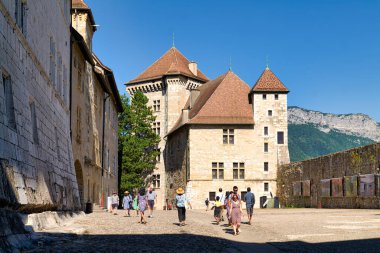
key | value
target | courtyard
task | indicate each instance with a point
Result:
(273, 230)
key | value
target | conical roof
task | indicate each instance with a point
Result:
(171, 63)
(79, 4)
(269, 82)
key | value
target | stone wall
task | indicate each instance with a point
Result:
(35, 146)
(192, 150)
(359, 161)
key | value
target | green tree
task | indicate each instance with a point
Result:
(137, 142)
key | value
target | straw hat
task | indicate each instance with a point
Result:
(180, 190)
(126, 192)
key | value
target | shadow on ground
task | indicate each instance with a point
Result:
(47, 242)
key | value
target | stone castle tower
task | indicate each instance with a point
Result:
(269, 100)
(167, 84)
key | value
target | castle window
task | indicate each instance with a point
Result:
(157, 128)
(20, 14)
(280, 137)
(264, 96)
(266, 166)
(156, 181)
(266, 187)
(79, 125)
(34, 122)
(52, 61)
(270, 113)
(158, 157)
(9, 104)
(217, 170)
(275, 96)
(266, 147)
(265, 131)
(228, 136)
(238, 171)
(156, 105)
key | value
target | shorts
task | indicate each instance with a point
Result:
(249, 210)
(151, 204)
(114, 206)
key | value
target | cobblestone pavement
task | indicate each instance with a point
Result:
(273, 230)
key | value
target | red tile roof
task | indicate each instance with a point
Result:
(171, 63)
(223, 100)
(269, 82)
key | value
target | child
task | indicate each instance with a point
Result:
(207, 202)
(135, 205)
(217, 209)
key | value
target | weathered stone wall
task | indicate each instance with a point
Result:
(34, 106)
(176, 162)
(364, 160)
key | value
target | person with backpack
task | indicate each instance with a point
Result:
(181, 201)
(218, 207)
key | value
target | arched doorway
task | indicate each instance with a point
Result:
(79, 174)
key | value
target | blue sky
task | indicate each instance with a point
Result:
(327, 52)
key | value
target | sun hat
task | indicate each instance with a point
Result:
(180, 190)
(126, 192)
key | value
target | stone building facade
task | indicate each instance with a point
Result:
(37, 166)
(167, 84)
(95, 103)
(216, 134)
(228, 135)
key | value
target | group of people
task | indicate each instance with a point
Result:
(231, 202)
(140, 202)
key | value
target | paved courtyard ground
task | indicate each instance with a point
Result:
(273, 230)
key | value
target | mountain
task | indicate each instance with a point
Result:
(313, 133)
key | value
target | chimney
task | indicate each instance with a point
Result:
(194, 94)
(193, 66)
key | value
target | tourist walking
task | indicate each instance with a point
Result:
(227, 207)
(236, 211)
(135, 205)
(221, 198)
(127, 203)
(142, 203)
(249, 199)
(207, 203)
(218, 207)
(114, 203)
(181, 201)
(152, 199)
(235, 192)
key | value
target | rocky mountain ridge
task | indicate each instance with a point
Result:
(359, 125)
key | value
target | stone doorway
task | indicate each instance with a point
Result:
(79, 174)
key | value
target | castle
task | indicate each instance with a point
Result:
(214, 133)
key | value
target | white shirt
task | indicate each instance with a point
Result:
(221, 196)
